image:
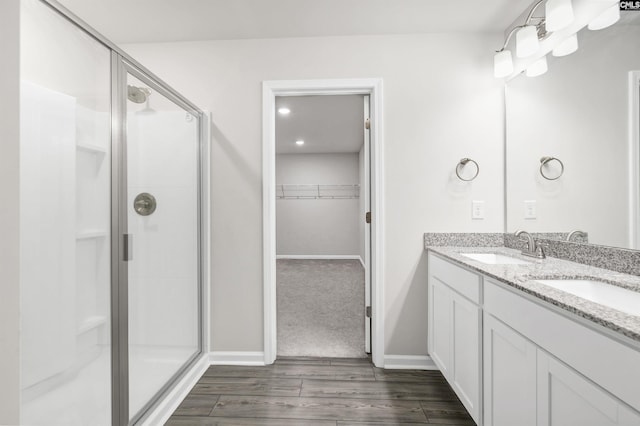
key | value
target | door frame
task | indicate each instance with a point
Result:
(366, 146)
(634, 159)
(271, 89)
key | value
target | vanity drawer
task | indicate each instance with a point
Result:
(461, 280)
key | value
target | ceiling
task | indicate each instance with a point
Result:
(327, 124)
(142, 21)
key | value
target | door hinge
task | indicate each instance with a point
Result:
(367, 123)
(367, 311)
(367, 217)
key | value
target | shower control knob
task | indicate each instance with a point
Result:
(144, 204)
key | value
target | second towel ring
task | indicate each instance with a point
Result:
(463, 163)
(544, 161)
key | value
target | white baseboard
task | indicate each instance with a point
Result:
(236, 358)
(320, 256)
(409, 362)
(161, 413)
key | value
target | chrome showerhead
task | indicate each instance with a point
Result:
(138, 94)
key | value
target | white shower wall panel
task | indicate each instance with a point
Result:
(163, 280)
(161, 145)
(47, 229)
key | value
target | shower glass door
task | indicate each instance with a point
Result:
(162, 156)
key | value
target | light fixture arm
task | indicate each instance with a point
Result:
(511, 33)
(532, 11)
(527, 21)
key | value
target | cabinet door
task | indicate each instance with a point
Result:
(567, 398)
(440, 325)
(466, 365)
(509, 376)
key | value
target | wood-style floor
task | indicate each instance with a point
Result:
(322, 392)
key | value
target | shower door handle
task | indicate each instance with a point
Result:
(127, 244)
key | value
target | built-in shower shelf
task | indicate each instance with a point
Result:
(91, 234)
(96, 149)
(91, 322)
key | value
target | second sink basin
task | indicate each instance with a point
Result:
(495, 259)
(610, 295)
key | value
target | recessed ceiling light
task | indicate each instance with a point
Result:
(300, 142)
(284, 111)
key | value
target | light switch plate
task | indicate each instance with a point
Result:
(530, 209)
(477, 210)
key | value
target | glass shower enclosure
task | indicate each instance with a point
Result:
(111, 271)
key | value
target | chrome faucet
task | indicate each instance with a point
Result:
(576, 233)
(533, 249)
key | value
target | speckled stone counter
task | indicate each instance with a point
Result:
(522, 277)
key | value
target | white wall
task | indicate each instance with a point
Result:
(317, 226)
(578, 113)
(441, 103)
(9, 213)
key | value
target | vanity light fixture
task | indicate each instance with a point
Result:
(527, 41)
(299, 142)
(567, 46)
(558, 14)
(284, 111)
(610, 16)
(502, 64)
(537, 68)
(529, 34)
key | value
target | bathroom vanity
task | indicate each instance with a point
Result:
(519, 348)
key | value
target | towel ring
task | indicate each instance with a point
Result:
(544, 161)
(463, 163)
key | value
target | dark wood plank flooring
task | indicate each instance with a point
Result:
(320, 392)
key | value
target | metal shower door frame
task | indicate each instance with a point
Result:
(121, 68)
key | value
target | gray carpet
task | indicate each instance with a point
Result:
(320, 308)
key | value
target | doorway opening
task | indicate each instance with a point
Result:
(309, 234)
(322, 199)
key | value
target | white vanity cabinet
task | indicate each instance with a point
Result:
(455, 329)
(513, 359)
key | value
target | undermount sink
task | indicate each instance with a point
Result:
(618, 298)
(495, 259)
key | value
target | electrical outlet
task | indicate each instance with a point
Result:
(530, 209)
(477, 210)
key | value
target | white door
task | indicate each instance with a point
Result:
(509, 376)
(367, 226)
(567, 398)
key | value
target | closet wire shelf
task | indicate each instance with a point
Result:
(316, 192)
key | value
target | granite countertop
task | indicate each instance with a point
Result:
(522, 278)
